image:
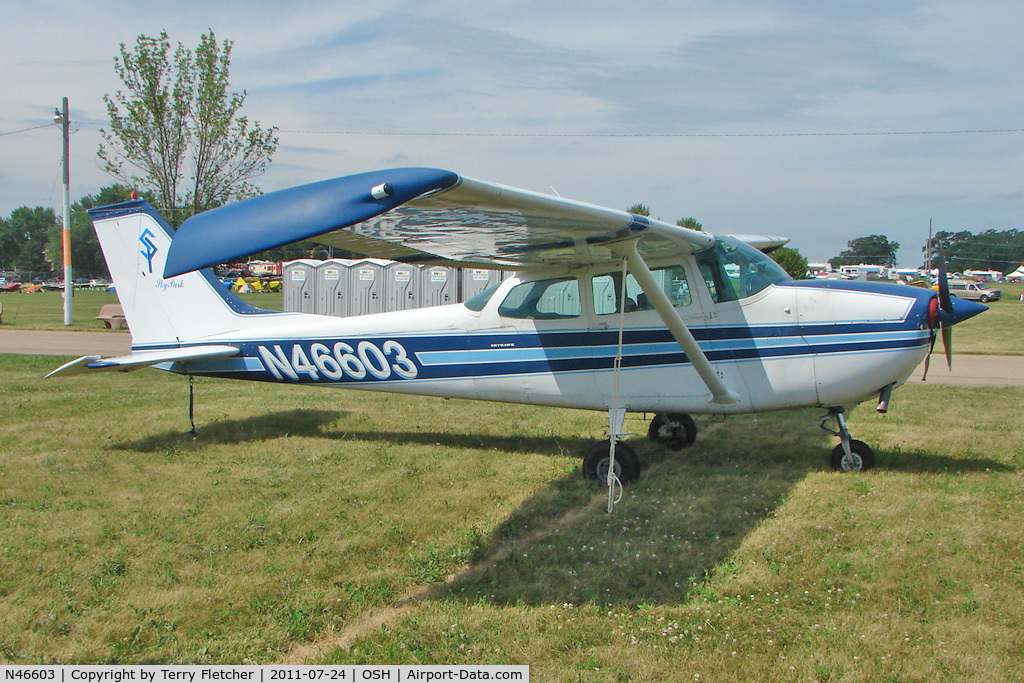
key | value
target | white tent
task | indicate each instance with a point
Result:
(1016, 276)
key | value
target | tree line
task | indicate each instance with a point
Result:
(996, 250)
(1001, 250)
(31, 242)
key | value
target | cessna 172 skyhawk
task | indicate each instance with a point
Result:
(608, 311)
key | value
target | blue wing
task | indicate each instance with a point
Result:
(423, 215)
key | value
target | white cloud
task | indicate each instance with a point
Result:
(526, 66)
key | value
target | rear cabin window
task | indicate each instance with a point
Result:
(608, 290)
(543, 300)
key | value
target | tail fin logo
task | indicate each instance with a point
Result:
(150, 249)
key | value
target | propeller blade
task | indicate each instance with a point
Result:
(945, 301)
(947, 344)
(946, 304)
(928, 359)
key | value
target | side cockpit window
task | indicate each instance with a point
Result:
(543, 300)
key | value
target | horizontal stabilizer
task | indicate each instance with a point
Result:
(143, 359)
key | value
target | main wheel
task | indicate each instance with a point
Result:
(675, 431)
(861, 457)
(627, 463)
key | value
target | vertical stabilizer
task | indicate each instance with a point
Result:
(162, 312)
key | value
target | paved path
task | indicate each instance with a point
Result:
(65, 343)
(974, 371)
(995, 371)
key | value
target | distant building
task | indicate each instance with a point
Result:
(261, 268)
(865, 269)
(985, 275)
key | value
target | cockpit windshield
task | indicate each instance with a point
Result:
(735, 270)
(478, 302)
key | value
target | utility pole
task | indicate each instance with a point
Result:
(61, 115)
(929, 255)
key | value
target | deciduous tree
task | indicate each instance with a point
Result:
(792, 261)
(23, 240)
(175, 118)
(86, 256)
(691, 223)
(1001, 250)
(873, 249)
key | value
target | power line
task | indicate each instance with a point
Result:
(957, 243)
(657, 135)
(353, 133)
(25, 130)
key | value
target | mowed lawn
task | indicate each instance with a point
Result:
(310, 525)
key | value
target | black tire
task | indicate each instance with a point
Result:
(675, 431)
(627, 463)
(863, 457)
(984, 299)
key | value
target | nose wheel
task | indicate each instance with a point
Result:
(850, 455)
(860, 457)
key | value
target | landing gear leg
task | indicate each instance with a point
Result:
(612, 461)
(850, 455)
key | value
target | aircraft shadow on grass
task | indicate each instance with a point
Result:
(680, 522)
(922, 462)
(653, 549)
(313, 423)
(516, 443)
(241, 430)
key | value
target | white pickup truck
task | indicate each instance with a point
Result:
(976, 291)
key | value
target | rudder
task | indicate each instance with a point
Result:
(161, 312)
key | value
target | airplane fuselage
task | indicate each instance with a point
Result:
(791, 344)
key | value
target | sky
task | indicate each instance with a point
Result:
(822, 122)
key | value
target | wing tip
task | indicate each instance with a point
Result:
(75, 367)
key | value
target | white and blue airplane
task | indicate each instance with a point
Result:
(607, 311)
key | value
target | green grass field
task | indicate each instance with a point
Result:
(997, 331)
(309, 525)
(45, 310)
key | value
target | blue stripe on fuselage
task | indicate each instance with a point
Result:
(455, 356)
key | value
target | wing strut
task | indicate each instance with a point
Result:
(721, 395)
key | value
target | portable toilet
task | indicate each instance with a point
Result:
(604, 294)
(476, 280)
(401, 286)
(299, 285)
(438, 286)
(332, 281)
(366, 286)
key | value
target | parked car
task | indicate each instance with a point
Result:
(976, 291)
